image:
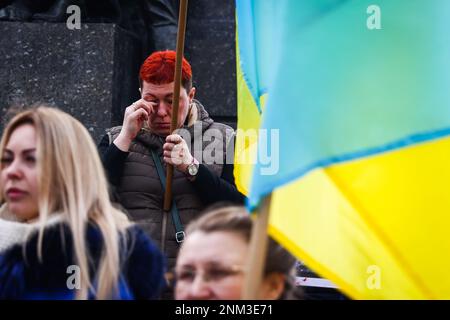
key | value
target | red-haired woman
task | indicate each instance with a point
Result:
(134, 155)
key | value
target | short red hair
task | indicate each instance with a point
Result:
(159, 68)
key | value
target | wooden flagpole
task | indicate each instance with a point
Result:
(258, 252)
(176, 93)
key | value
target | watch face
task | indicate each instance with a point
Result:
(193, 169)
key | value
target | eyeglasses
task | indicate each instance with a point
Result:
(212, 274)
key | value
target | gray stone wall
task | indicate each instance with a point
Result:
(83, 72)
(210, 46)
(92, 73)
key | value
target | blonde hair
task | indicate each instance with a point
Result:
(237, 220)
(72, 182)
(234, 219)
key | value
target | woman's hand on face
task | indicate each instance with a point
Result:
(133, 121)
(176, 152)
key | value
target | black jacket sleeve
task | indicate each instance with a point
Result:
(113, 160)
(209, 186)
(212, 188)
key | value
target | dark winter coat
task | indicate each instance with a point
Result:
(24, 276)
(139, 188)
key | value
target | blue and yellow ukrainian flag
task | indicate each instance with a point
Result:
(362, 190)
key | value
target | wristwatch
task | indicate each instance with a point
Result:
(192, 169)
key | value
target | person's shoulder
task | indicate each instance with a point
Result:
(114, 129)
(138, 235)
(141, 247)
(112, 133)
(222, 126)
(21, 267)
(146, 265)
(204, 117)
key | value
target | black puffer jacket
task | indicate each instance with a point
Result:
(139, 189)
(23, 275)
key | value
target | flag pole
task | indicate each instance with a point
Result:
(258, 252)
(176, 93)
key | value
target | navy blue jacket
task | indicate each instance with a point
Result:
(24, 276)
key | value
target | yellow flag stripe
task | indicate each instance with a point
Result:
(248, 122)
(389, 211)
(384, 238)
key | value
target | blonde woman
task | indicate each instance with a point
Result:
(60, 237)
(212, 261)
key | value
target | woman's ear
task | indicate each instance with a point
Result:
(192, 94)
(272, 286)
